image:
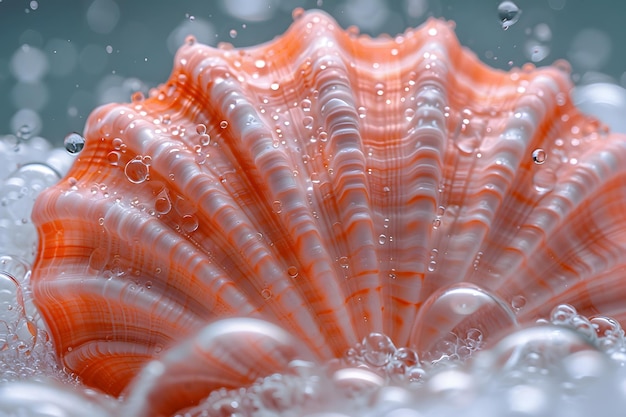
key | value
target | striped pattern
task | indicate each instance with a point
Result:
(347, 179)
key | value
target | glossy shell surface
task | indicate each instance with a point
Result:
(329, 183)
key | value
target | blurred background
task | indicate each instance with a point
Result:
(59, 59)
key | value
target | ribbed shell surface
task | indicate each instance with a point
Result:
(329, 183)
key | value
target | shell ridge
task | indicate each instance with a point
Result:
(281, 191)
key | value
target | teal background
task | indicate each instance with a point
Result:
(140, 52)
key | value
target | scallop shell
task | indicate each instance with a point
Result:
(333, 184)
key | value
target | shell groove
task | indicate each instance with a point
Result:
(329, 183)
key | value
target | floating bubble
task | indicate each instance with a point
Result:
(508, 13)
(74, 143)
(29, 64)
(103, 15)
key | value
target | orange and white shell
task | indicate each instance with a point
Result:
(329, 183)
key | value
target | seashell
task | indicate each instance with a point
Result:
(336, 185)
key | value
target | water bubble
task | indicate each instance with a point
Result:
(233, 33)
(378, 349)
(562, 314)
(464, 308)
(136, 171)
(74, 143)
(223, 124)
(508, 13)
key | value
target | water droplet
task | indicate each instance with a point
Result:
(113, 157)
(518, 302)
(136, 171)
(277, 207)
(539, 156)
(508, 13)
(292, 271)
(223, 124)
(380, 89)
(382, 239)
(205, 140)
(201, 129)
(343, 261)
(163, 204)
(544, 180)
(233, 33)
(189, 223)
(274, 86)
(432, 266)
(266, 293)
(305, 105)
(74, 143)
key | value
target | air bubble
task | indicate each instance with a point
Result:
(379, 349)
(136, 171)
(508, 13)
